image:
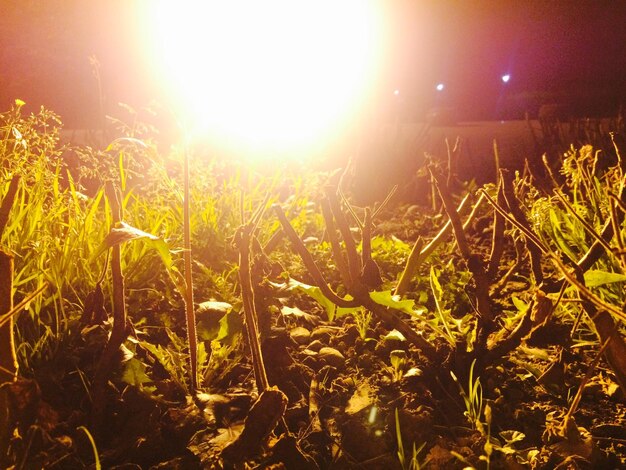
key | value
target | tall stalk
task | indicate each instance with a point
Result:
(190, 314)
(243, 239)
(119, 332)
(475, 264)
(8, 361)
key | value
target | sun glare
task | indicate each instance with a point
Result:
(277, 76)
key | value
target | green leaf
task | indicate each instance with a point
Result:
(209, 315)
(595, 278)
(230, 326)
(316, 293)
(179, 280)
(394, 301)
(444, 314)
(173, 363)
(203, 355)
(343, 311)
(163, 250)
(520, 305)
(397, 358)
(135, 374)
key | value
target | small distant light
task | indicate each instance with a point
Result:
(440, 86)
(396, 92)
(506, 78)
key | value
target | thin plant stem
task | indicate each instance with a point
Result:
(7, 202)
(354, 263)
(309, 263)
(584, 290)
(119, 332)
(20, 306)
(93, 446)
(419, 254)
(601, 314)
(190, 314)
(590, 370)
(584, 223)
(474, 263)
(453, 215)
(360, 293)
(335, 245)
(247, 294)
(621, 248)
(533, 249)
(527, 233)
(8, 359)
(371, 272)
(597, 249)
(497, 239)
(243, 241)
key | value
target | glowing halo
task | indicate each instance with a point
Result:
(273, 76)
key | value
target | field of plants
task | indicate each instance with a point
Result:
(162, 312)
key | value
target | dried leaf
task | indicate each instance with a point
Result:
(360, 399)
(122, 233)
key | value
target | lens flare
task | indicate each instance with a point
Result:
(270, 76)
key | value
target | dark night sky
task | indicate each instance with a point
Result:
(576, 48)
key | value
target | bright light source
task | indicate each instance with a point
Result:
(396, 92)
(440, 86)
(506, 78)
(270, 76)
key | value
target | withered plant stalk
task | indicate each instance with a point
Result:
(358, 291)
(354, 263)
(596, 309)
(119, 332)
(309, 262)
(497, 238)
(515, 210)
(419, 253)
(608, 231)
(190, 313)
(8, 359)
(475, 264)
(243, 240)
(335, 244)
(7, 202)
